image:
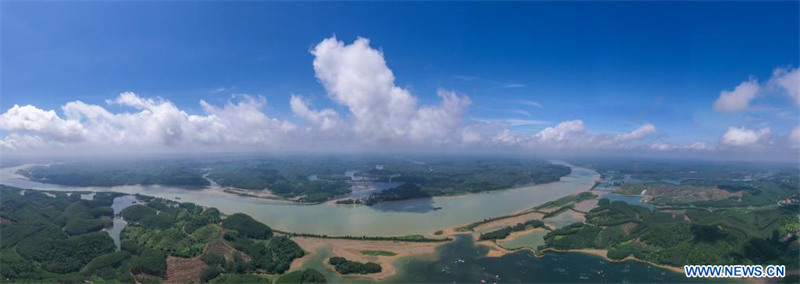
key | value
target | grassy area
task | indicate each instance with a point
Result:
(378, 253)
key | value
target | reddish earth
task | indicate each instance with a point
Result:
(628, 227)
(5, 221)
(219, 247)
(182, 270)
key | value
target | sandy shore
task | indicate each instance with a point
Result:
(498, 251)
(351, 250)
(603, 252)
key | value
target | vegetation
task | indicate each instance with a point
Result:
(247, 227)
(693, 236)
(291, 177)
(241, 278)
(409, 238)
(504, 232)
(307, 276)
(403, 192)
(560, 210)
(575, 198)
(701, 184)
(115, 173)
(345, 266)
(53, 239)
(378, 252)
(274, 256)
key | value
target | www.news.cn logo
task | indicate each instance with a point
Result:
(735, 271)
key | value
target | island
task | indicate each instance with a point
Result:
(344, 266)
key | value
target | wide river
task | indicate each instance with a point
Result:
(394, 219)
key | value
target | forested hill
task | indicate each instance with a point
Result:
(58, 237)
(312, 179)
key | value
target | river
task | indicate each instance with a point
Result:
(391, 219)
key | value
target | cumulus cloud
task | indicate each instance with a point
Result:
(17, 142)
(738, 99)
(47, 123)
(325, 119)
(783, 80)
(356, 76)
(156, 122)
(743, 137)
(374, 112)
(561, 132)
(788, 80)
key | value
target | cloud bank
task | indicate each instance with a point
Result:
(371, 113)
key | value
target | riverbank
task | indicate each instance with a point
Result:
(352, 250)
(604, 252)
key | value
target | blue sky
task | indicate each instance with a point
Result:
(613, 65)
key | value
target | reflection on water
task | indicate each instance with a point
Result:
(423, 205)
(330, 219)
(462, 261)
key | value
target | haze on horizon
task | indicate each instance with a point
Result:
(242, 77)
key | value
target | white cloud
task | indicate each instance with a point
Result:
(17, 142)
(743, 136)
(156, 122)
(379, 114)
(661, 147)
(738, 99)
(639, 133)
(562, 131)
(356, 76)
(506, 137)
(789, 80)
(701, 146)
(514, 85)
(530, 103)
(524, 122)
(794, 137)
(325, 119)
(47, 123)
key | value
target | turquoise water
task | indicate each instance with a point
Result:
(630, 199)
(463, 261)
(532, 239)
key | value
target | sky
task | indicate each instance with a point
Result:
(691, 79)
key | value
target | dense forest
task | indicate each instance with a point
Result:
(54, 237)
(680, 237)
(312, 180)
(469, 175)
(701, 183)
(344, 266)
